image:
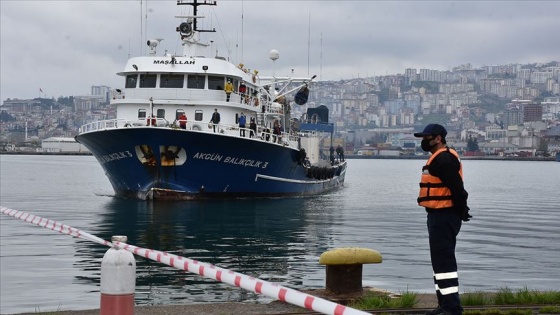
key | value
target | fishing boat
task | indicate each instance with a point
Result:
(196, 126)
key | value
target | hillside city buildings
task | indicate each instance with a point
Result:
(493, 110)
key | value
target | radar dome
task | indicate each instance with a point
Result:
(274, 55)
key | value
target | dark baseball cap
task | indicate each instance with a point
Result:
(432, 129)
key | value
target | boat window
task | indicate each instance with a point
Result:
(215, 83)
(148, 81)
(195, 81)
(178, 113)
(198, 115)
(141, 113)
(171, 81)
(160, 113)
(131, 81)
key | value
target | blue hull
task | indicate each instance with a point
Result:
(163, 163)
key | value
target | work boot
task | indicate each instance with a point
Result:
(436, 311)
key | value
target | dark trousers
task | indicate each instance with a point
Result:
(443, 228)
(242, 130)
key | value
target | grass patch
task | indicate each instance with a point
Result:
(526, 297)
(376, 300)
(494, 311)
(549, 310)
(506, 296)
(476, 299)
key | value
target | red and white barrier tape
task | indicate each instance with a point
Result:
(210, 271)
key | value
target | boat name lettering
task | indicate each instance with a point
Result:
(173, 62)
(208, 156)
(115, 156)
(230, 160)
(245, 162)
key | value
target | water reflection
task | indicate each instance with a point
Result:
(264, 238)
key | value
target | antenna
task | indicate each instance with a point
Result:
(146, 23)
(321, 60)
(273, 55)
(242, 31)
(195, 15)
(141, 28)
(308, 40)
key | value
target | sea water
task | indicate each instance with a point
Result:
(513, 240)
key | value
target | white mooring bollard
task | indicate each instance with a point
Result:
(118, 280)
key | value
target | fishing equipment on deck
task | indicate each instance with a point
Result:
(302, 95)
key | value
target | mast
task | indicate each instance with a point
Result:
(308, 40)
(189, 31)
(195, 5)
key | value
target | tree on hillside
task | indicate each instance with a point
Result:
(5, 117)
(499, 123)
(66, 100)
(472, 144)
(430, 86)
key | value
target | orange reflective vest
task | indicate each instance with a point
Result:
(433, 194)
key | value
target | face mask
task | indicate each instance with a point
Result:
(425, 145)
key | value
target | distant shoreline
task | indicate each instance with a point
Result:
(42, 153)
(425, 157)
(350, 157)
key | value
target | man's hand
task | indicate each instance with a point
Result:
(465, 216)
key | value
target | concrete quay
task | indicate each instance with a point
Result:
(425, 301)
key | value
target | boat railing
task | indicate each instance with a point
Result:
(184, 94)
(262, 134)
(176, 94)
(103, 125)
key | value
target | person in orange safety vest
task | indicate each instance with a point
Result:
(443, 196)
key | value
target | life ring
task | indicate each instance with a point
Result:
(196, 127)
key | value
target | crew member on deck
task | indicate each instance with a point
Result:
(228, 89)
(183, 121)
(242, 122)
(151, 121)
(277, 131)
(340, 153)
(242, 91)
(253, 127)
(215, 120)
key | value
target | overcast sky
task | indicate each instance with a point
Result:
(65, 47)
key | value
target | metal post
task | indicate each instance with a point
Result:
(118, 280)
